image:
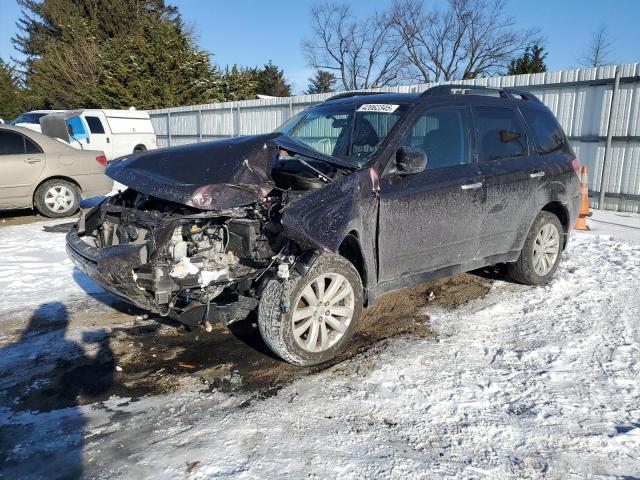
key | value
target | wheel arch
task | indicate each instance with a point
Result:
(351, 250)
(560, 211)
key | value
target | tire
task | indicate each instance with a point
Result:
(527, 269)
(332, 332)
(67, 204)
(139, 149)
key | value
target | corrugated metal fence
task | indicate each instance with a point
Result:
(599, 112)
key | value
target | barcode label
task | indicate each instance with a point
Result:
(378, 107)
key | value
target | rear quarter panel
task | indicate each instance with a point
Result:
(80, 166)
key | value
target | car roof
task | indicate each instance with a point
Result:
(361, 98)
(46, 142)
(470, 93)
(37, 137)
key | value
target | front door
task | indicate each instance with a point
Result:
(21, 163)
(430, 220)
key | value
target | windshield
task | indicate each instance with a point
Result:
(345, 131)
(27, 118)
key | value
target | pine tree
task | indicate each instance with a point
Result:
(322, 82)
(532, 61)
(155, 67)
(271, 81)
(44, 21)
(115, 54)
(11, 95)
(239, 83)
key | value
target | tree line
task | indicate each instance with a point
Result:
(117, 54)
(122, 53)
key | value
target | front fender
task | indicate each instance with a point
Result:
(322, 218)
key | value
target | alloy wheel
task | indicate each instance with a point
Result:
(322, 312)
(546, 249)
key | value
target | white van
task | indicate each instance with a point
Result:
(115, 132)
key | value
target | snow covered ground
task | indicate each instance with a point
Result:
(523, 383)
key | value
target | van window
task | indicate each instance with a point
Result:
(11, 143)
(95, 125)
(546, 131)
(500, 133)
(443, 133)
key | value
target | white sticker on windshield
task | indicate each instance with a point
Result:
(378, 107)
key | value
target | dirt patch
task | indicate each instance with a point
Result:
(154, 358)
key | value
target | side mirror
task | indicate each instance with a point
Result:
(410, 160)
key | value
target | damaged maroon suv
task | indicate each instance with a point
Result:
(351, 198)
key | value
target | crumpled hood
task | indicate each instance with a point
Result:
(214, 175)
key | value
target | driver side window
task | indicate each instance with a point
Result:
(443, 134)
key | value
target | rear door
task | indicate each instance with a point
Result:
(21, 163)
(431, 220)
(100, 135)
(513, 175)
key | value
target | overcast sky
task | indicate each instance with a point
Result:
(251, 32)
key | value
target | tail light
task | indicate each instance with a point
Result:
(575, 163)
(102, 160)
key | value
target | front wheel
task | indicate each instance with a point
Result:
(316, 316)
(541, 252)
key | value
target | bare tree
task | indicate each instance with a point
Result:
(362, 53)
(466, 39)
(599, 48)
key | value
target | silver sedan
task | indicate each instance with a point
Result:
(42, 172)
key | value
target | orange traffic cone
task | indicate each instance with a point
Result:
(585, 212)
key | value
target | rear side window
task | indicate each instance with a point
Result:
(31, 147)
(95, 125)
(547, 133)
(11, 143)
(443, 134)
(500, 133)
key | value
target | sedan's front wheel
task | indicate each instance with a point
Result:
(316, 316)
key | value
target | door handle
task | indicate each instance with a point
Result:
(536, 174)
(33, 160)
(471, 186)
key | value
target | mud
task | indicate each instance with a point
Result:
(155, 357)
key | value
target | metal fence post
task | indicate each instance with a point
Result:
(168, 129)
(607, 149)
(239, 123)
(199, 120)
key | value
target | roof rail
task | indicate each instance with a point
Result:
(351, 94)
(441, 90)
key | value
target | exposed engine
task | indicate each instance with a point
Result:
(187, 257)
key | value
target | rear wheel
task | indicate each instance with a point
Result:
(57, 198)
(324, 306)
(541, 252)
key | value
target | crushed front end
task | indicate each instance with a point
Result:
(190, 264)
